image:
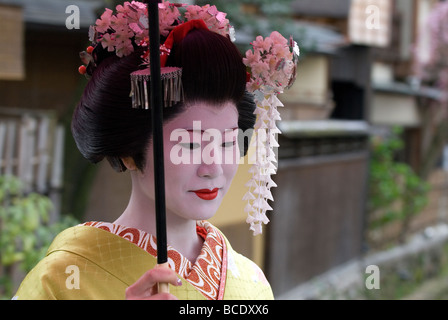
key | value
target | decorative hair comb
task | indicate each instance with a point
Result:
(271, 68)
(171, 77)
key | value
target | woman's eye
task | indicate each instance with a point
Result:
(229, 144)
(190, 146)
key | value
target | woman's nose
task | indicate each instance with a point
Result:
(212, 170)
(211, 164)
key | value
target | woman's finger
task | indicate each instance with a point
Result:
(146, 286)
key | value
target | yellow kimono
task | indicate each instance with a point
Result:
(99, 261)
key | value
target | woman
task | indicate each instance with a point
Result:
(101, 260)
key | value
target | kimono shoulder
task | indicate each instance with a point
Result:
(245, 280)
(86, 263)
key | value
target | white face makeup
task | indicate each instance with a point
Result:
(201, 152)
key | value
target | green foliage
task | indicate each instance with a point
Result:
(396, 191)
(25, 233)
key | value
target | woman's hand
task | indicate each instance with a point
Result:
(145, 288)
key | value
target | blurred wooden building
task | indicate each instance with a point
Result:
(363, 87)
(38, 87)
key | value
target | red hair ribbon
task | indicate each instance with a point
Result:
(176, 36)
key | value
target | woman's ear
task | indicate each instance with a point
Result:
(129, 163)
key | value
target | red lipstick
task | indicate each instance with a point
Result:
(206, 194)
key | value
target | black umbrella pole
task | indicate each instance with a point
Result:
(157, 133)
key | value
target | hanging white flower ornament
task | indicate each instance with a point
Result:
(272, 65)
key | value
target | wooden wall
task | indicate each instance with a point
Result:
(318, 219)
(51, 79)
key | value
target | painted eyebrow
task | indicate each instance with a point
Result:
(191, 130)
(202, 131)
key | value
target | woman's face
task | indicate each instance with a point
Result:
(201, 158)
